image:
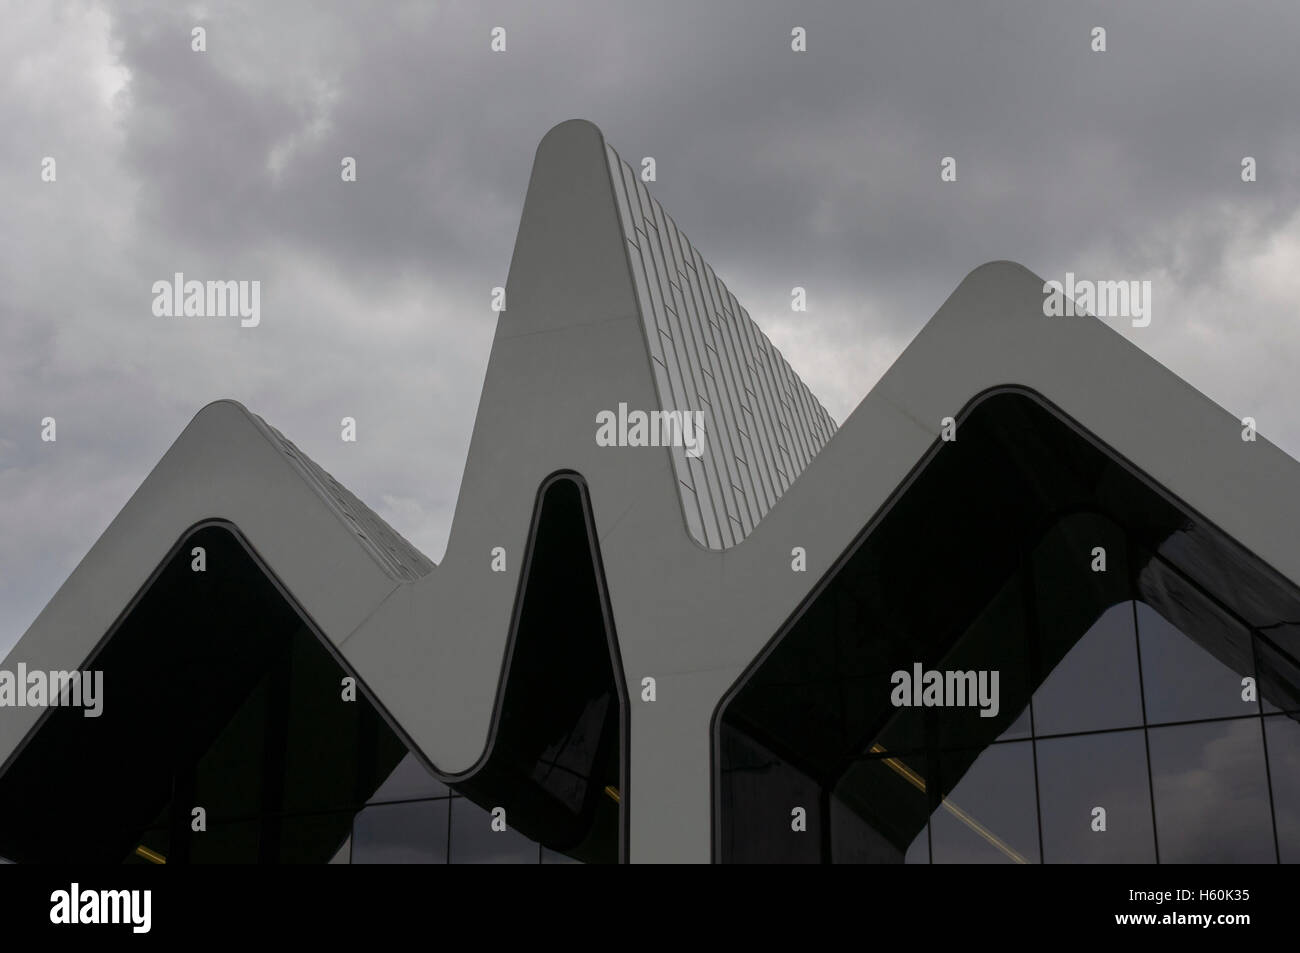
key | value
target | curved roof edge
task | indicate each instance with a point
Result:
(431, 645)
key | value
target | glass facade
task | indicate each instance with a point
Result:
(1033, 655)
(1146, 698)
(555, 768)
(227, 733)
(557, 763)
(231, 733)
(432, 824)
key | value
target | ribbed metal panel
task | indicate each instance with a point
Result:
(762, 426)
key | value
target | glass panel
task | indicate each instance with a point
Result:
(228, 779)
(411, 833)
(309, 838)
(880, 812)
(1277, 653)
(1211, 793)
(243, 717)
(246, 718)
(1282, 734)
(473, 841)
(1079, 774)
(555, 765)
(1217, 566)
(986, 672)
(237, 842)
(941, 579)
(344, 854)
(919, 852)
(306, 837)
(1095, 686)
(154, 847)
(989, 560)
(762, 776)
(555, 857)
(1192, 669)
(1087, 647)
(315, 721)
(410, 780)
(989, 814)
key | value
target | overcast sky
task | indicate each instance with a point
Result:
(818, 169)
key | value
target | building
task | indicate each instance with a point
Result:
(718, 649)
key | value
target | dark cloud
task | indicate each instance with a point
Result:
(816, 169)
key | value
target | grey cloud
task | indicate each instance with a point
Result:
(817, 169)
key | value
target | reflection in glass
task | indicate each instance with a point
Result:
(473, 841)
(1197, 672)
(1277, 653)
(1282, 734)
(409, 780)
(555, 857)
(236, 842)
(1083, 613)
(555, 765)
(879, 811)
(1095, 686)
(1029, 548)
(412, 833)
(996, 641)
(919, 852)
(774, 788)
(242, 716)
(344, 854)
(1077, 775)
(989, 814)
(299, 837)
(991, 558)
(1211, 793)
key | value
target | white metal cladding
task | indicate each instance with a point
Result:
(762, 424)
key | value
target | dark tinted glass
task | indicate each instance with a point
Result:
(1282, 734)
(411, 833)
(988, 813)
(555, 857)
(1197, 674)
(229, 777)
(919, 851)
(1080, 774)
(1277, 654)
(475, 841)
(986, 696)
(344, 854)
(217, 695)
(1211, 793)
(409, 780)
(555, 765)
(1026, 549)
(299, 836)
(1087, 646)
(1095, 685)
(234, 842)
(880, 811)
(760, 776)
(246, 717)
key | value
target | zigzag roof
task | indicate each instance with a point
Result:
(695, 600)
